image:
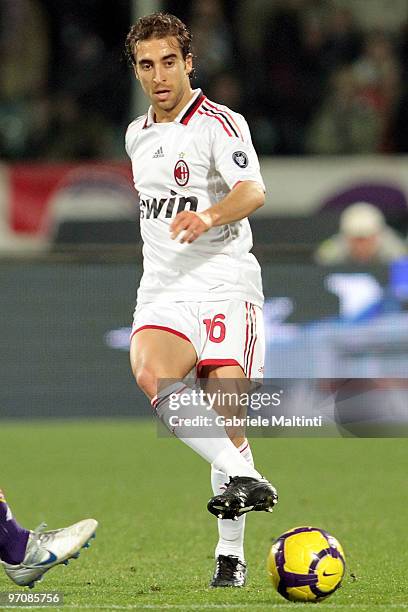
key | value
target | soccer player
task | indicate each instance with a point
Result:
(199, 304)
(27, 555)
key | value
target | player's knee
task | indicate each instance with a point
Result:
(146, 380)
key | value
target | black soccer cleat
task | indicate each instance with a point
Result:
(229, 572)
(243, 494)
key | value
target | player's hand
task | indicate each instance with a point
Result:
(190, 225)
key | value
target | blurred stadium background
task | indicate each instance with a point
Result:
(323, 84)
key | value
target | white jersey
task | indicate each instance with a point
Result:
(190, 164)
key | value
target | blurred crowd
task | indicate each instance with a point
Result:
(311, 76)
(363, 238)
(64, 85)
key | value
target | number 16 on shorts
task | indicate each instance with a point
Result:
(232, 334)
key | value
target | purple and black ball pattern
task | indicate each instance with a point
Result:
(306, 564)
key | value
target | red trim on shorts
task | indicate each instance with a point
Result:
(250, 338)
(249, 345)
(255, 339)
(163, 328)
(246, 333)
(215, 362)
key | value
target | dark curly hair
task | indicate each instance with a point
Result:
(157, 25)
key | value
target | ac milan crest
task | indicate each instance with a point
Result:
(181, 173)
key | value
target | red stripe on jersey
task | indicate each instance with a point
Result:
(215, 362)
(222, 110)
(163, 328)
(200, 112)
(223, 116)
(190, 112)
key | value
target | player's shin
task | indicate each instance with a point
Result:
(231, 533)
(177, 405)
(13, 537)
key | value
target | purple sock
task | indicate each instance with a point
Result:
(13, 538)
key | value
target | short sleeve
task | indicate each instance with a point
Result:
(131, 134)
(130, 139)
(127, 142)
(234, 155)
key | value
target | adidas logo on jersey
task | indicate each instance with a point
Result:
(159, 153)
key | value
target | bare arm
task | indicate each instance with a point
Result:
(241, 201)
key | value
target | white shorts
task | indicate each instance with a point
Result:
(226, 332)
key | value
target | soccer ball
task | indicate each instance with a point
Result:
(306, 564)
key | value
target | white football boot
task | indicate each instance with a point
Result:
(46, 549)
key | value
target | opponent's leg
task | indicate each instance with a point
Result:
(13, 537)
(156, 354)
(27, 555)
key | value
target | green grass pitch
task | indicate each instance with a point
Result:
(154, 547)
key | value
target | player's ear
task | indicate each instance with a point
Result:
(189, 63)
(134, 62)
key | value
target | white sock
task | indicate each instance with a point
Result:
(231, 533)
(217, 448)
